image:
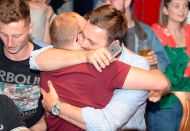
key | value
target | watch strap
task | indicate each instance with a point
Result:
(58, 105)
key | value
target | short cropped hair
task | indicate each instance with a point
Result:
(112, 20)
(64, 29)
(14, 11)
(163, 19)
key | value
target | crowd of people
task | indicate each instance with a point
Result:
(56, 72)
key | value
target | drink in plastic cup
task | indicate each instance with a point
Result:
(145, 47)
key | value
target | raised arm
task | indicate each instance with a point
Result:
(47, 39)
(41, 5)
(49, 58)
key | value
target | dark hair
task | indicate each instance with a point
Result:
(109, 18)
(14, 11)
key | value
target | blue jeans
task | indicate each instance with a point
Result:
(164, 119)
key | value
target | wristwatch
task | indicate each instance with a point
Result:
(56, 109)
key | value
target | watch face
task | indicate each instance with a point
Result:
(55, 111)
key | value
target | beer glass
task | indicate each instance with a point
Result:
(144, 47)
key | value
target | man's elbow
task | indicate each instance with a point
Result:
(163, 84)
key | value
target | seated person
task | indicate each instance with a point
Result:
(174, 33)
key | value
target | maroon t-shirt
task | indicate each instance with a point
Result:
(82, 85)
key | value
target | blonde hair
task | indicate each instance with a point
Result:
(163, 19)
(64, 29)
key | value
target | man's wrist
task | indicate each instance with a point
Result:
(85, 59)
(56, 109)
(153, 66)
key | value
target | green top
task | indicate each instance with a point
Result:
(175, 71)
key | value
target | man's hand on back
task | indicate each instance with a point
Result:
(50, 99)
(100, 56)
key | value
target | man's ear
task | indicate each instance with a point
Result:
(80, 38)
(31, 27)
(116, 41)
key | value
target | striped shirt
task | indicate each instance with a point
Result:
(126, 108)
(34, 53)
